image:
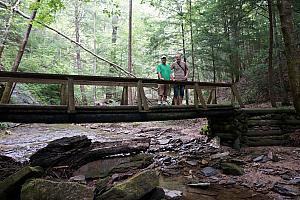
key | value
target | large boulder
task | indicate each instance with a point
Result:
(132, 189)
(106, 167)
(38, 189)
(11, 186)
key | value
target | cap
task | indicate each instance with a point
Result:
(163, 57)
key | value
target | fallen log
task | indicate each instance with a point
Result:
(273, 122)
(77, 151)
(267, 142)
(260, 133)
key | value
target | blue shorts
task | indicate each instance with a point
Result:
(178, 90)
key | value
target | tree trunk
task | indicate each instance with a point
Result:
(10, 85)
(95, 51)
(7, 28)
(192, 42)
(271, 45)
(279, 60)
(292, 51)
(78, 54)
(130, 99)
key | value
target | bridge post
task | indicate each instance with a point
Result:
(198, 91)
(142, 100)
(63, 94)
(71, 100)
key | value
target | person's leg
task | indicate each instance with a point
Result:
(160, 94)
(167, 93)
(176, 93)
(181, 91)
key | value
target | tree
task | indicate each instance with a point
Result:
(10, 85)
(292, 51)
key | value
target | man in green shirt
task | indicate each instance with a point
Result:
(164, 73)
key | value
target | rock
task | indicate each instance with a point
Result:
(199, 185)
(103, 185)
(164, 142)
(204, 162)
(132, 189)
(219, 155)
(209, 171)
(59, 151)
(100, 168)
(38, 189)
(8, 166)
(173, 194)
(106, 167)
(295, 181)
(139, 161)
(286, 190)
(192, 162)
(259, 158)
(156, 194)
(11, 186)
(232, 169)
(238, 161)
(78, 179)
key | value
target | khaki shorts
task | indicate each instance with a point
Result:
(164, 90)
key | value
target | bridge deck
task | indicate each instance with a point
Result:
(101, 114)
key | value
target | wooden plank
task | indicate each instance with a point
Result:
(237, 95)
(200, 96)
(143, 96)
(71, 100)
(59, 78)
(139, 97)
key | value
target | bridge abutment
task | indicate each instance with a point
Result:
(264, 127)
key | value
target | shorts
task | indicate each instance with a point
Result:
(163, 90)
(178, 90)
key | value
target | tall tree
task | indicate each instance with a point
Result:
(292, 51)
(271, 47)
(130, 50)
(10, 85)
(78, 53)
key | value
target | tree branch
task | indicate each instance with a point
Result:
(4, 5)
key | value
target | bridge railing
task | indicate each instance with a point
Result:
(69, 81)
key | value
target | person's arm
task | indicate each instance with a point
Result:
(159, 73)
(187, 72)
(172, 71)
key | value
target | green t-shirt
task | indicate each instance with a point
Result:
(165, 71)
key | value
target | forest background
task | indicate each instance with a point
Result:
(223, 41)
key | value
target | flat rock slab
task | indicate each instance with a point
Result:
(38, 189)
(11, 186)
(132, 189)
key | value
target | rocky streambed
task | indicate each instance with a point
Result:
(157, 160)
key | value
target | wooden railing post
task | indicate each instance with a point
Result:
(142, 100)
(63, 94)
(71, 100)
(196, 100)
(200, 95)
(237, 95)
(124, 100)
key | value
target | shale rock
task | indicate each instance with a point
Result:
(38, 189)
(232, 169)
(132, 189)
(11, 186)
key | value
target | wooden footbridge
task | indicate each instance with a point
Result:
(233, 124)
(69, 112)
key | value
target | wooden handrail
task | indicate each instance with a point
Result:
(68, 82)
